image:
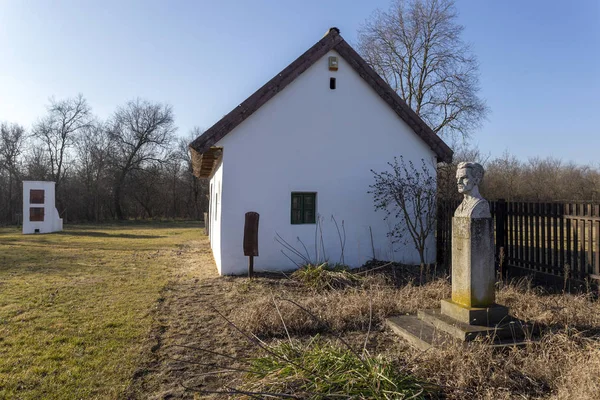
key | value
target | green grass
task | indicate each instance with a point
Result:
(325, 276)
(75, 306)
(321, 370)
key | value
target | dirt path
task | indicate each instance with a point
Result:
(186, 316)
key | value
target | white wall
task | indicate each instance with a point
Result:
(314, 139)
(214, 217)
(52, 222)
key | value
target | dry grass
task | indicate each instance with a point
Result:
(337, 310)
(76, 306)
(563, 364)
(76, 309)
(556, 310)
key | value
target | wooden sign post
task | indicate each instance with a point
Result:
(251, 240)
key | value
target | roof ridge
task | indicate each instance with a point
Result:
(331, 41)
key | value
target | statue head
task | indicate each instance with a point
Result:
(468, 176)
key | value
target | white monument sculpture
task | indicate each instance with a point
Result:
(468, 177)
(473, 272)
(471, 311)
(39, 210)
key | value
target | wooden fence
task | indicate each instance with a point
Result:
(549, 240)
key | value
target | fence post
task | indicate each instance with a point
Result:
(501, 216)
(439, 245)
(206, 223)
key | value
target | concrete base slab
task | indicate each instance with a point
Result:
(511, 328)
(431, 328)
(418, 333)
(488, 316)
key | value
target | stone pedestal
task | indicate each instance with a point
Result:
(473, 275)
(485, 316)
(471, 312)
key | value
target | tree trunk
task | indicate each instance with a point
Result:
(117, 197)
(10, 202)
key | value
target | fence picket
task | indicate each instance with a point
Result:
(561, 213)
(590, 241)
(571, 239)
(597, 241)
(542, 243)
(527, 259)
(555, 251)
(509, 228)
(521, 241)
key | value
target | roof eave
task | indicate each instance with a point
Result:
(204, 164)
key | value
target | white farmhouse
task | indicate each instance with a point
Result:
(300, 150)
(39, 210)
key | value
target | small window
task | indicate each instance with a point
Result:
(36, 196)
(36, 214)
(304, 208)
(332, 83)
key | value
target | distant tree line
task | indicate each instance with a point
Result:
(129, 166)
(536, 179)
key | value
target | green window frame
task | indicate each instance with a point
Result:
(304, 208)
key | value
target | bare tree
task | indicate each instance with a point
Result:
(416, 47)
(141, 132)
(57, 131)
(11, 147)
(197, 188)
(134, 154)
(503, 178)
(408, 196)
(36, 164)
(148, 190)
(94, 149)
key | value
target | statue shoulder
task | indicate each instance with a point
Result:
(473, 208)
(481, 209)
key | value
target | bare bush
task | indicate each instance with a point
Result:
(407, 195)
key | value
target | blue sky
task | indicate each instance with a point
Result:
(539, 60)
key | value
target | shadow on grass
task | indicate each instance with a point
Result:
(107, 235)
(129, 224)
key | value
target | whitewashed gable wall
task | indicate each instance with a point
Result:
(215, 212)
(309, 138)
